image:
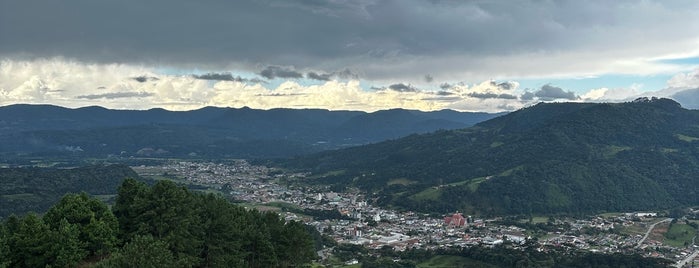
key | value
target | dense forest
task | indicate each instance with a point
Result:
(37, 189)
(549, 158)
(160, 226)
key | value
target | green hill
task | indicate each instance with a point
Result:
(36, 189)
(549, 158)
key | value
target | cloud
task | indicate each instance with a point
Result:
(74, 84)
(400, 87)
(316, 76)
(429, 78)
(115, 95)
(506, 85)
(527, 96)
(344, 74)
(219, 77)
(272, 72)
(492, 96)
(595, 94)
(549, 92)
(144, 78)
(685, 80)
(381, 40)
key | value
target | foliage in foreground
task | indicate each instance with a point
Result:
(160, 226)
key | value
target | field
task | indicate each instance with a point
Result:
(401, 181)
(679, 235)
(428, 194)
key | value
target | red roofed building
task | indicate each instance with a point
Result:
(456, 220)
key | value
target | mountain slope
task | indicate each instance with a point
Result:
(208, 132)
(549, 158)
(36, 189)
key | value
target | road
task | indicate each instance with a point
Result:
(650, 228)
(688, 259)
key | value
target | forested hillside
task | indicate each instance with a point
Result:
(51, 131)
(36, 189)
(549, 158)
(160, 226)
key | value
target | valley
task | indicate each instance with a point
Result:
(350, 218)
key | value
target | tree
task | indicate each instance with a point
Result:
(96, 224)
(131, 203)
(4, 247)
(141, 251)
(222, 232)
(66, 249)
(30, 243)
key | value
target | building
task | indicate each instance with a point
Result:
(456, 220)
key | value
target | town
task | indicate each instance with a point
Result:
(350, 218)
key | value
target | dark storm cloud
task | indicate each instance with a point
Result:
(492, 96)
(317, 76)
(272, 72)
(116, 95)
(319, 35)
(549, 92)
(400, 87)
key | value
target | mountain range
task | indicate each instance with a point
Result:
(549, 158)
(210, 132)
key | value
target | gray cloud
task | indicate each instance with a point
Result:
(400, 87)
(369, 36)
(505, 85)
(272, 72)
(445, 86)
(227, 77)
(116, 95)
(549, 92)
(219, 77)
(527, 96)
(429, 78)
(143, 78)
(492, 96)
(344, 74)
(317, 76)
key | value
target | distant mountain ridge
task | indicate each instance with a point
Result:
(548, 158)
(208, 132)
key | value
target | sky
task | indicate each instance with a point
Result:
(367, 55)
